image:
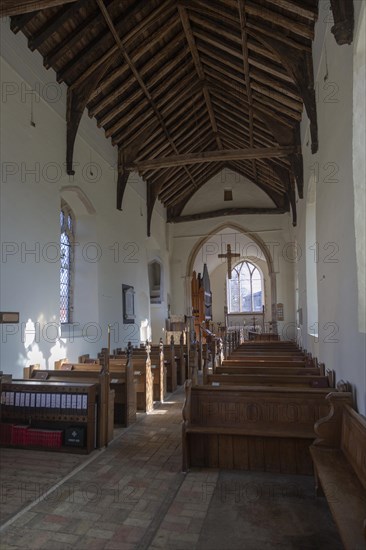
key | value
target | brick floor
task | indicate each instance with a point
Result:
(133, 496)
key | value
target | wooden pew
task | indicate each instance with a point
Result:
(160, 372)
(251, 428)
(339, 455)
(281, 380)
(145, 367)
(123, 381)
(87, 359)
(314, 371)
(270, 355)
(143, 375)
(170, 364)
(263, 336)
(105, 401)
(265, 363)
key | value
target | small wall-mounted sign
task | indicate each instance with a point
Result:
(9, 317)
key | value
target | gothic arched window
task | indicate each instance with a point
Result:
(245, 289)
(67, 223)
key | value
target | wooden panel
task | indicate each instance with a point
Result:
(256, 454)
(213, 451)
(226, 460)
(241, 453)
(272, 455)
(288, 456)
(354, 442)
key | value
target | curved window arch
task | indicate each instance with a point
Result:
(67, 234)
(155, 281)
(245, 289)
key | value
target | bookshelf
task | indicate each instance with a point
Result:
(36, 414)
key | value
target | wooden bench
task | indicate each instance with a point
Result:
(339, 456)
(143, 375)
(320, 371)
(264, 362)
(123, 381)
(171, 366)
(159, 370)
(312, 381)
(251, 428)
(104, 399)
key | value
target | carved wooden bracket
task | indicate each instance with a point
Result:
(152, 191)
(344, 22)
(77, 100)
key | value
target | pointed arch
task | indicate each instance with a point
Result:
(253, 236)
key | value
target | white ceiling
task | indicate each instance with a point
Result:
(211, 195)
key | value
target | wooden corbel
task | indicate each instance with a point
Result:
(344, 21)
(152, 191)
(77, 99)
(123, 175)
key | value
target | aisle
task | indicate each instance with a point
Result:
(133, 496)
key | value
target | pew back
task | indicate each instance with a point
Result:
(251, 428)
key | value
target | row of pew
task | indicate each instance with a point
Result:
(270, 407)
(127, 381)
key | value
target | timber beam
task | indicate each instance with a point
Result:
(214, 156)
(225, 212)
(13, 7)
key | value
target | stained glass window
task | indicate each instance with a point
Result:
(245, 289)
(66, 265)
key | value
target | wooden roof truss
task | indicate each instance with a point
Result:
(186, 88)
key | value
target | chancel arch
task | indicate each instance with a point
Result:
(247, 246)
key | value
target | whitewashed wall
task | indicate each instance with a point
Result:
(272, 229)
(339, 344)
(112, 249)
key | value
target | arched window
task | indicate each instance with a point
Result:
(245, 289)
(155, 282)
(312, 258)
(67, 223)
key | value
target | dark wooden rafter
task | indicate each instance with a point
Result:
(198, 65)
(225, 212)
(185, 88)
(102, 101)
(53, 25)
(136, 73)
(14, 7)
(244, 44)
(18, 22)
(299, 66)
(122, 28)
(344, 21)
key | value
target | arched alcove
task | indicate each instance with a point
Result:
(155, 270)
(253, 249)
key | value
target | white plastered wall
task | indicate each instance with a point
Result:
(340, 344)
(112, 248)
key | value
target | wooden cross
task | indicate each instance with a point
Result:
(229, 255)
